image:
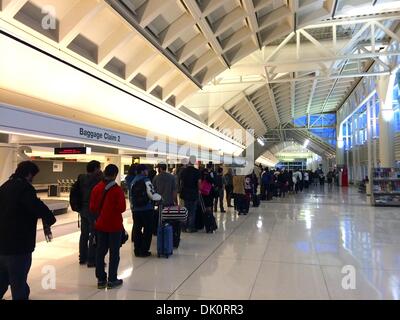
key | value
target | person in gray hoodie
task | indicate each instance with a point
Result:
(142, 197)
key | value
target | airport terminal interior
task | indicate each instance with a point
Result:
(309, 89)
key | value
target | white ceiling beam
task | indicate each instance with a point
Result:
(236, 38)
(224, 23)
(191, 47)
(72, 23)
(316, 43)
(358, 20)
(150, 10)
(273, 103)
(280, 31)
(292, 98)
(314, 85)
(252, 20)
(132, 68)
(211, 5)
(118, 38)
(176, 29)
(205, 27)
(261, 4)
(173, 86)
(360, 56)
(255, 113)
(212, 70)
(10, 8)
(186, 92)
(162, 70)
(202, 62)
(273, 17)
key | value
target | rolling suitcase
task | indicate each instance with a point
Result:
(209, 219)
(164, 237)
(256, 200)
(199, 219)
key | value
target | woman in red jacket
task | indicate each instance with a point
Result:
(107, 201)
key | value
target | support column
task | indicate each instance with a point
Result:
(339, 145)
(384, 88)
(117, 161)
(369, 145)
(8, 162)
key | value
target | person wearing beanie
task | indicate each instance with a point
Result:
(142, 197)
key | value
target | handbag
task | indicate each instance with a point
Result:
(205, 187)
(176, 213)
(124, 237)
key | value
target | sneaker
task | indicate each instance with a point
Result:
(82, 262)
(101, 284)
(223, 211)
(114, 284)
(91, 265)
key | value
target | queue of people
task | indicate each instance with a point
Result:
(100, 202)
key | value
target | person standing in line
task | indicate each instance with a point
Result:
(165, 185)
(128, 181)
(80, 200)
(228, 181)
(107, 204)
(190, 186)
(178, 171)
(219, 190)
(143, 196)
(306, 179)
(239, 194)
(20, 210)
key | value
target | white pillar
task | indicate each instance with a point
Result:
(339, 145)
(384, 88)
(8, 162)
(117, 160)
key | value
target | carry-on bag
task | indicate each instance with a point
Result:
(199, 218)
(209, 219)
(175, 213)
(256, 200)
(164, 237)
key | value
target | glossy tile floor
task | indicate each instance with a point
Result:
(291, 248)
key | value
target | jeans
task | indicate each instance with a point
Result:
(87, 250)
(191, 206)
(143, 230)
(14, 271)
(107, 241)
(220, 197)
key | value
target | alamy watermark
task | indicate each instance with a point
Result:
(49, 21)
(163, 148)
(349, 280)
(49, 279)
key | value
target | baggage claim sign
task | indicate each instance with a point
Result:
(99, 136)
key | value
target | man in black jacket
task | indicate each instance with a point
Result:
(20, 209)
(82, 190)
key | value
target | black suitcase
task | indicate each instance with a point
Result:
(199, 219)
(256, 200)
(155, 221)
(209, 219)
(209, 222)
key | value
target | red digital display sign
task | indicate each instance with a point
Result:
(69, 151)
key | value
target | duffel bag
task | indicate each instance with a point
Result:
(175, 213)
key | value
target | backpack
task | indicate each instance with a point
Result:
(75, 196)
(265, 178)
(139, 194)
(205, 187)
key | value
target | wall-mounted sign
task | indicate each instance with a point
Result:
(72, 151)
(57, 166)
